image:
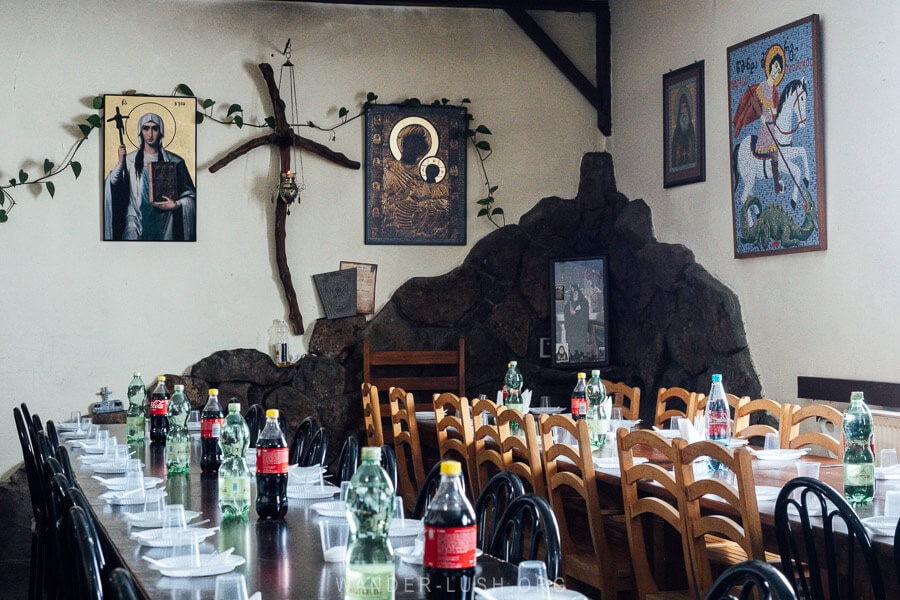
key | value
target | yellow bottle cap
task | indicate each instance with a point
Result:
(451, 467)
(161, 378)
(581, 376)
(272, 413)
(213, 392)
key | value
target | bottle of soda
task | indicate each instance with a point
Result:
(178, 440)
(717, 425)
(234, 476)
(369, 564)
(159, 407)
(450, 539)
(512, 386)
(211, 420)
(597, 419)
(579, 399)
(271, 470)
(134, 418)
(859, 457)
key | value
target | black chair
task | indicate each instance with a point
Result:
(121, 586)
(302, 439)
(62, 455)
(757, 579)
(525, 524)
(897, 549)
(426, 492)
(314, 454)
(88, 582)
(389, 464)
(348, 459)
(255, 418)
(36, 492)
(809, 550)
(53, 434)
(496, 495)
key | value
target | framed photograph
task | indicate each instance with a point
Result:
(579, 308)
(776, 132)
(150, 166)
(684, 126)
(366, 274)
(416, 175)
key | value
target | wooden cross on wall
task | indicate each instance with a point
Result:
(284, 138)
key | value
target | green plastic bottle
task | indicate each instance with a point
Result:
(178, 442)
(136, 415)
(512, 387)
(597, 419)
(859, 457)
(234, 476)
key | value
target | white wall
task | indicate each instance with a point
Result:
(77, 313)
(830, 313)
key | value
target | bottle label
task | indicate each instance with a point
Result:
(271, 461)
(235, 489)
(579, 406)
(450, 547)
(369, 581)
(159, 406)
(210, 428)
(859, 474)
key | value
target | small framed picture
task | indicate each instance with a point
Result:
(684, 143)
(579, 308)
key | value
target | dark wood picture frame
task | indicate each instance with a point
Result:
(416, 175)
(579, 309)
(784, 127)
(684, 126)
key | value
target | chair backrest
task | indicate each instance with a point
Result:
(407, 446)
(640, 507)
(809, 550)
(495, 496)
(455, 435)
(302, 439)
(426, 492)
(88, 581)
(35, 485)
(53, 435)
(523, 450)
(756, 578)
(734, 404)
(794, 415)
(431, 371)
(255, 418)
(528, 530)
(122, 585)
(669, 403)
(742, 422)
(489, 456)
(746, 531)
(569, 471)
(625, 397)
(348, 459)
(372, 415)
(314, 453)
(389, 464)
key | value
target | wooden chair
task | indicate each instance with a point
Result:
(455, 435)
(716, 538)
(488, 454)
(639, 508)
(742, 427)
(625, 397)
(734, 403)
(571, 479)
(679, 396)
(793, 416)
(410, 467)
(432, 371)
(372, 415)
(523, 451)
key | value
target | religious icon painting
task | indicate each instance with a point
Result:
(416, 175)
(150, 168)
(579, 301)
(684, 126)
(776, 134)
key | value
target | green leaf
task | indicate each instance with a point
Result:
(23, 176)
(343, 112)
(445, 101)
(85, 130)
(470, 133)
(207, 103)
(234, 108)
(51, 188)
(483, 129)
(470, 117)
(484, 201)
(95, 121)
(3, 216)
(497, 211)
(184, 89)
(483, 145)
(239, 121)
(493, 188)
(310, 124)
(483, 212)
(12, 182)
(270, 121)
(371, 97)
(76, 168)
(97, 102)
(436, 103)
(48, 166)
(465, 101)
(199, 117)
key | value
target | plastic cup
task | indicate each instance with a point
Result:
(808, 469)
(773, 442)
(155, 504)
(92, 432)
(398, 509)
(187, 548)
(545, 401)
(85, 423)
(892, 503)
(194, 419)
(334, 536)
(232, 586)
(615, 419)
(675, 423)
(533, 574)
(888, 457)
(173, 517)
(75, 417)
(345, 486)
(134, 479)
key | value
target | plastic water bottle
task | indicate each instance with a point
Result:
(579, 399)
(859, 457)
(271, 470)
(597, 419)
(136, 418)
(234, 476)
(369, 564)
(717, 425)
(451, 535)
(512, 386)
(178, 441)
(278, 343)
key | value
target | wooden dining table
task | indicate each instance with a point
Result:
(283, 557)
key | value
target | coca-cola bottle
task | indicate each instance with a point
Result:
(271, 470)
(451, 535)
(579, 399)
(211, 420)
(159, 409)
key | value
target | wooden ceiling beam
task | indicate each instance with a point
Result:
(554, 5)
